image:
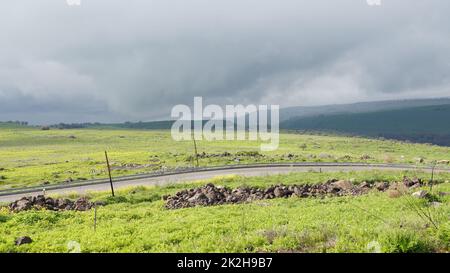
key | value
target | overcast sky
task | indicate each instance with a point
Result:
(118, 60)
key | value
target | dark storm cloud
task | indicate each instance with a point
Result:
(112, 60)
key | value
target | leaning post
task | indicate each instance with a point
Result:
(195, 149)
(109, 173)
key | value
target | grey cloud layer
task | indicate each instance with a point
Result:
(112, 60)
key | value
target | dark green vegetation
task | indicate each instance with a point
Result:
(359, 107)
(136, 221)
(429, 124)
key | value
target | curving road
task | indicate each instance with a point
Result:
(204, 173)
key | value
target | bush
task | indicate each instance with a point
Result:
(248, 153)
(405, 242)
(444, 235)
(116, 200)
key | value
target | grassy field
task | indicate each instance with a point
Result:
(30, 156)
(136, 221)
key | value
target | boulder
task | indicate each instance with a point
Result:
(364, 185)
(21, 204)
(343, 185)
(420, 160)
(410, 183)
(392, 193)
(381, 186)
(435, 204)
(445, 162)
(278, 192)
(420, 194)
(23, 240)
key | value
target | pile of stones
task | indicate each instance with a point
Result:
(42, 202)
(210, 194)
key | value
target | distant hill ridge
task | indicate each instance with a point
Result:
(422, 120)
(429, 124)
(358, 107)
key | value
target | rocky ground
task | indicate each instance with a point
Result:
(210, 194)
(42, 202)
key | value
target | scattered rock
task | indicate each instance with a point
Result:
(400, 187)
(381, 186)
(415, 182)
(420, 159)
(21, 204)
(82, 204)
(420, 194)
(435, 204)
(343, 184)
(325, 156)
(346, 157)
(23, 240)
(394, 193)
(165, 197)
(290, 156)
(364, 186)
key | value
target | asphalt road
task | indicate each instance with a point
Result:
(165, 179)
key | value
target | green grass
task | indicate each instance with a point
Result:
(30, 156)
(136, 221)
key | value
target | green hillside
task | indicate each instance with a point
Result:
(418, 124)
(358, 107)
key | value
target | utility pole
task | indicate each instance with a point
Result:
(109, 173)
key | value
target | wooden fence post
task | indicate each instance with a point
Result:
(109, 173)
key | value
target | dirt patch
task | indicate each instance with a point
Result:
(210, 194)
